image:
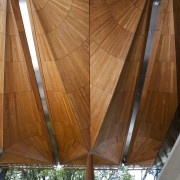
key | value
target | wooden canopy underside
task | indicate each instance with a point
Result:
(90, 54)
(159, 99)
(24, 136)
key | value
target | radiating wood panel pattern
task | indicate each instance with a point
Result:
(159, 98)
(90, 62)
(25, 135)
(118, 38)
(61, 34)
(3, 5)
(77, 104)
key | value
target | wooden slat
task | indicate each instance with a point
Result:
(117, 49)
(3, 5)
(176, 12)
(63, 53)
(25, 133)
(159, 97)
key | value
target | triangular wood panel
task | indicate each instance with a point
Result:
(116, 60)
(62, 44)
(25, 135)
(159, 99)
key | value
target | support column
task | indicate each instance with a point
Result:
(89, 168)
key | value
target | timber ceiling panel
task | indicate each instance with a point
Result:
(176, 12)
(90, 54)
(116, 59)
(3, 5)
(159, 98)
(79, 88)
(62, 40)
(24, 132)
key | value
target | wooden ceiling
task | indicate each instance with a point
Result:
(159, 99)
(90, 54)
(24, 135)
(116, 58)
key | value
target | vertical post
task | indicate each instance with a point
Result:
(89, 168)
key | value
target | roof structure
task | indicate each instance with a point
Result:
(159, 99)
(24, 135)
(90, 55)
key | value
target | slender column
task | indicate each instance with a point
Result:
(89, 168)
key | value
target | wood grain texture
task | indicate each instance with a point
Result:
(90, 62)
(62, 44)
(159, 97)
(111, 39)
(176, 13)
(25, 135)
(3, 8)
(78, 88)
(118, 33)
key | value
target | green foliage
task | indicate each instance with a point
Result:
(120, 174)
(61, 174)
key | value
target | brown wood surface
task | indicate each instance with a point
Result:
(79, 88)
(117, 51)
(61, 34)
(176, 13)
(3, 5)
(90, 55)
(159, 97)
(25, 135)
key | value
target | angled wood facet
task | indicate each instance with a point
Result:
(81, 90)
(62, 44)
(160, 97)
(3, 5)
(176, 13)
(24, 132)
(117, 51)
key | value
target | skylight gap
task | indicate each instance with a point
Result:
(154, 12)
(30, 41)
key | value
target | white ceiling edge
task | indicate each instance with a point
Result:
(171, 169)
